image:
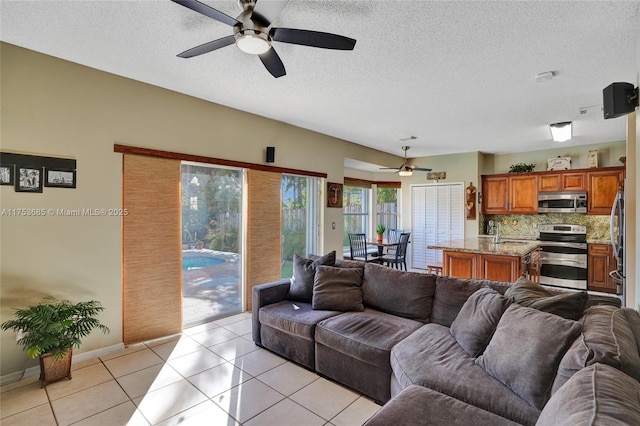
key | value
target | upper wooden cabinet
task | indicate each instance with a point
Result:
(602, 188)
(564, 181)
(511, 193)
(505, 194)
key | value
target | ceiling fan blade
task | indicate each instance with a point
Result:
(420, 169)
(389, 168)
(266, 11)
(312, 38)
(208, 47)
(202, 8)
(273, 63)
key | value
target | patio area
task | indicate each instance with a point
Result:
(211, 285)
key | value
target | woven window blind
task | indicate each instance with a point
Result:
(152, 257)
(263, 229)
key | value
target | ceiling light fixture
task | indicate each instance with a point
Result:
(405, 172)
(561, 132)
(253, 42)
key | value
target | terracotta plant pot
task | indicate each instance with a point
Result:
(54, 369)
(379, 238)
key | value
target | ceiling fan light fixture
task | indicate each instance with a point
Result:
(253, 42)
(561, 132)
(405, 172)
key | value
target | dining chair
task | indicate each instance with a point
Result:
(399, 258)
(358, 248)
(393, 236)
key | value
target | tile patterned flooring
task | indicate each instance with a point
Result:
(211, 374)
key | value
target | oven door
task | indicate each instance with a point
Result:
(563, 264)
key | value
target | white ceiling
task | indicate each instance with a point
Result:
(459, 75)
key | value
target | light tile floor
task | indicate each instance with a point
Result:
(211, 374)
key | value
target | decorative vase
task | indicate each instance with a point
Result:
(54, 369)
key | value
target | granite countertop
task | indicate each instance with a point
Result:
(506, 247)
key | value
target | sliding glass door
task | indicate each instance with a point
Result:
(300, 219)
(212, 264)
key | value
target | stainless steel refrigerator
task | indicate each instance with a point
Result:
(617, 226)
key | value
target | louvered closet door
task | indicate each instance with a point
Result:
(437, 215)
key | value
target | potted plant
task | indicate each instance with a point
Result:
(522, 168)
(380, 230)
(50, 330)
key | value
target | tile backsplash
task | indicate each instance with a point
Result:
(527, 225)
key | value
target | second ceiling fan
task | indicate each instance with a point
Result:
(406, 169)
(253, 33)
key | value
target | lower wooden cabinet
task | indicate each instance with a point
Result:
(485, 266)
(600, 262)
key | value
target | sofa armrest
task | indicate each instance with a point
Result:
(263, 295)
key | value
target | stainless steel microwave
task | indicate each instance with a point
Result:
(562, 202)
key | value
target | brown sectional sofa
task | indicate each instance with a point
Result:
(404, 344)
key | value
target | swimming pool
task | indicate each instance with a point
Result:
(199, 262)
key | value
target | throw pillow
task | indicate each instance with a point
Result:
(526, 349)
(338, 289)
(304, 270)
(569, 305)
(478, 319)
(598, 394)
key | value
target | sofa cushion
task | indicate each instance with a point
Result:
(431, 357)
(337, 289)
(367, 336)
(418, 405)
(596, 395)
(451, 293)
(295, 318)
(304, 271)
(478, 319)
(569, 305)
(401, 293)
(607, 337)
(526, 349)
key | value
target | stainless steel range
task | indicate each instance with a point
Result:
(563, 256)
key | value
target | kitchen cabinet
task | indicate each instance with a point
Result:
(508, 194)
(602, 189)
(563, 181)
(600, 262)
(501, 268)
(461, 264)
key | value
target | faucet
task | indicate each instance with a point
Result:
(496, 235)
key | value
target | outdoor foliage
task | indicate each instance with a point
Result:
(54, 326)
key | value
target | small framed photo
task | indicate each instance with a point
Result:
(28, 179)
(6, 174)
(60, 178)
(334, 194)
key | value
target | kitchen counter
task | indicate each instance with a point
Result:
(483, 245)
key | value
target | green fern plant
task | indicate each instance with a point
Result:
(380, 229)
(522, 168)
(55, 326)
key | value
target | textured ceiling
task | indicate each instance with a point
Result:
(458, 75)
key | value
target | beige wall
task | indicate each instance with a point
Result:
(56, 108)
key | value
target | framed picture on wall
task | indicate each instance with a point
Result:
(334, 194)
(6, 174)
(28, 179)
(60, 178)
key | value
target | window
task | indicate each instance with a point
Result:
(300, 219)
(355, 204)
(387, 207)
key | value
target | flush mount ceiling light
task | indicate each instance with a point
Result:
(561, 132)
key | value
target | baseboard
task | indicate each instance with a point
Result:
(77, 357)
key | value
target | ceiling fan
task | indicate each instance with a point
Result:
(406, 169)
(253, 33)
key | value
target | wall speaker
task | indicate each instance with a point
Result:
(619, 99)
(271, 154)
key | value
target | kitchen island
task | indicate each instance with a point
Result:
(481, 258)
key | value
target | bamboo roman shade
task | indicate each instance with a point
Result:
(152, 268)
(263, 229)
